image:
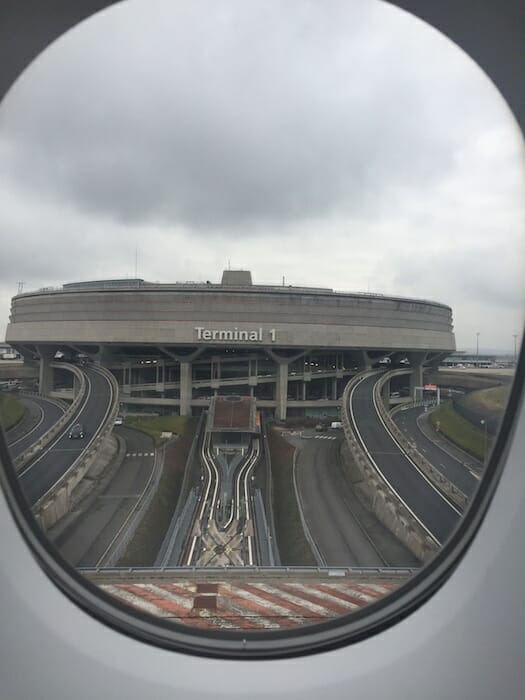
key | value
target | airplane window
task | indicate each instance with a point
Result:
(262, 301)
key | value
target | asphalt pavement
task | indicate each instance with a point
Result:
(453, 469)
(97, 520)
(40, 415)
(344, 532)
(46, 469)
(424, 500)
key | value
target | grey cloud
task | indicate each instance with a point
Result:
(271, 119)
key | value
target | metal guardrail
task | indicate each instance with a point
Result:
(439, 480)
(180, 572)
(54, 504)
(27, 455)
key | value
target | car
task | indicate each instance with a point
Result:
(119, 420)
(76, 432)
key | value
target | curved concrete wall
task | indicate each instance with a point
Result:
(263, 317)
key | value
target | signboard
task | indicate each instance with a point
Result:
(430, 387)
(256, 335)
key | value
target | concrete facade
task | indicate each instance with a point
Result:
(181, 343)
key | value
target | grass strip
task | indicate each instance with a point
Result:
(487, 402)
(145, 544)
(460, 431)
(11, 411)
(154, 426)
(293, 545)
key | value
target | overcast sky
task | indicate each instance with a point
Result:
(340, 144)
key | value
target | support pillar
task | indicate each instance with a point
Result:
(104, 356)
(45, 376)
(281, 390)
(334, 389)
(160, 376)
(339, 365)
(185, 388)
(45, 371)
(416, 360)
(367, 362)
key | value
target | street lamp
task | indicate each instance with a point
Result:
(483, 422)
(515, 336)
(477, 348)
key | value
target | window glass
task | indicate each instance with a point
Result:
(262, 297)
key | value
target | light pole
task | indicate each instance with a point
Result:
(477, 348)
(483, 422)
(515, 336)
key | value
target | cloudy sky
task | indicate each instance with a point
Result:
(341, 144)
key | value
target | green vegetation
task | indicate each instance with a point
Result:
(155, 425)
(11, 411)
(293, 546)
(460, 431)
(143, 548)
(487, 402)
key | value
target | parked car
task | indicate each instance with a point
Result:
(119, 420)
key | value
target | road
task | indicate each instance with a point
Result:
(85, 542)
(41, 414)
(425, 502)
(41, 474)
(339, 525)
(450, 467)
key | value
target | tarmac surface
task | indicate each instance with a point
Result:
(97, 519)
(344, 531)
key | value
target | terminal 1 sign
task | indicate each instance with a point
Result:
(257, 335)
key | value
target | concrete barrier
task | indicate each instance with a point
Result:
(57, 502)
(387, 506)
(25, 457)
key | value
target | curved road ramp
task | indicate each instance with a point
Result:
(50, 478)
(404, 499)
(29, 454)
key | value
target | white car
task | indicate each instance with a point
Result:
(119, 420)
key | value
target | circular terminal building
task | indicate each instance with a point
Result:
(176, 345)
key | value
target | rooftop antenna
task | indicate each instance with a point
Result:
(283, 280)
(136, 260)
(229, 267)
(20, 287)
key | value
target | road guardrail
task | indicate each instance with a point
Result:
(33, 450)
(54, 504)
